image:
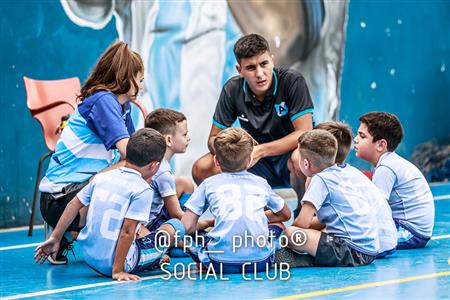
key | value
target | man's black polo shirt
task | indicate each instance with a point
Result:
(287, 99)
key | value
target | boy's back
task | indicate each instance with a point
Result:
(237, 201)
(112, 196)
(409, 194)
(345, 200)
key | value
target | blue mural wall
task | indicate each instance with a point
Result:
(397, 59)
(39, 41)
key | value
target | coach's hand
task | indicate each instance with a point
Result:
(257, 154)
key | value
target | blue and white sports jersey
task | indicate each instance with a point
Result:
(163, 185)
(343, 198)
(408, 192)
(87, 143)
(112, 196)
(237, 202)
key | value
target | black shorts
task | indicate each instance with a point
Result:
(334, 251)
(53, 205)
(274, 169)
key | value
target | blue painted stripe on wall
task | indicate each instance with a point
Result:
(165, 53)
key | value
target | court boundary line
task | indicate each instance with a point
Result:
(21, 228)
(90, 285)
(363, 286)
(20, 246)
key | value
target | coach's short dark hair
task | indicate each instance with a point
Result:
(383, 125)
(343, 134)
(250, 45)
(145, 145)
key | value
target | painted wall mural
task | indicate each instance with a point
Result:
(397, 57)
(187, 49)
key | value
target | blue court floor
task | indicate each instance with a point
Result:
(409, 274)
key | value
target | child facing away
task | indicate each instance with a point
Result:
(408, 192)
(387, 231)
(342, 203)
(237, 200)
(119, 201)
(167, 188)
(98, 128)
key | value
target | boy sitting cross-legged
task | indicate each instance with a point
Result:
(402, 183)
(350, 237)
(237, 200)
(167, 188)
(387, 231)
(119, 201)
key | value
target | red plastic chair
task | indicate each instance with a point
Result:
(50, 102)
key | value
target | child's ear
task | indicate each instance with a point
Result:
(381, 145)
(306, 163)
(154, 166)
(250, 161)
(216, 161)
(168, 140)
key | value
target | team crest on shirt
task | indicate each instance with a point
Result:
(281, 109)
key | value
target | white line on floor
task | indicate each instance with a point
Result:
(19, 246)
(23, 228)
(92, 285)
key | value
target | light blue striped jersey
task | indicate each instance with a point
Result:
(112, 196)
(237, 201)
(348, 204)
(87, 143)
(163, 185)
(409, 194)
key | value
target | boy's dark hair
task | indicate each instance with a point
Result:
(145, 145)
(343, 134)
(164, 120)
(116, 71)
(250, 45)
(383, 125)
(319, 146)
(233, 148)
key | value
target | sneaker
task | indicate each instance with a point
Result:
(64, 248)
(293, 259)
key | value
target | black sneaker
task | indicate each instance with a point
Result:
(293, 259)
(64, 248)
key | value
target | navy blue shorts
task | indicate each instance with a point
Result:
(149, 255)
(164, 215)
(160, 219)
(238, 267)
(407, 239)
(274, 169)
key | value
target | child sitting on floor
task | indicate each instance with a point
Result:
(402, 183)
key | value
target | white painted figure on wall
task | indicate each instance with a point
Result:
(187, 49)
